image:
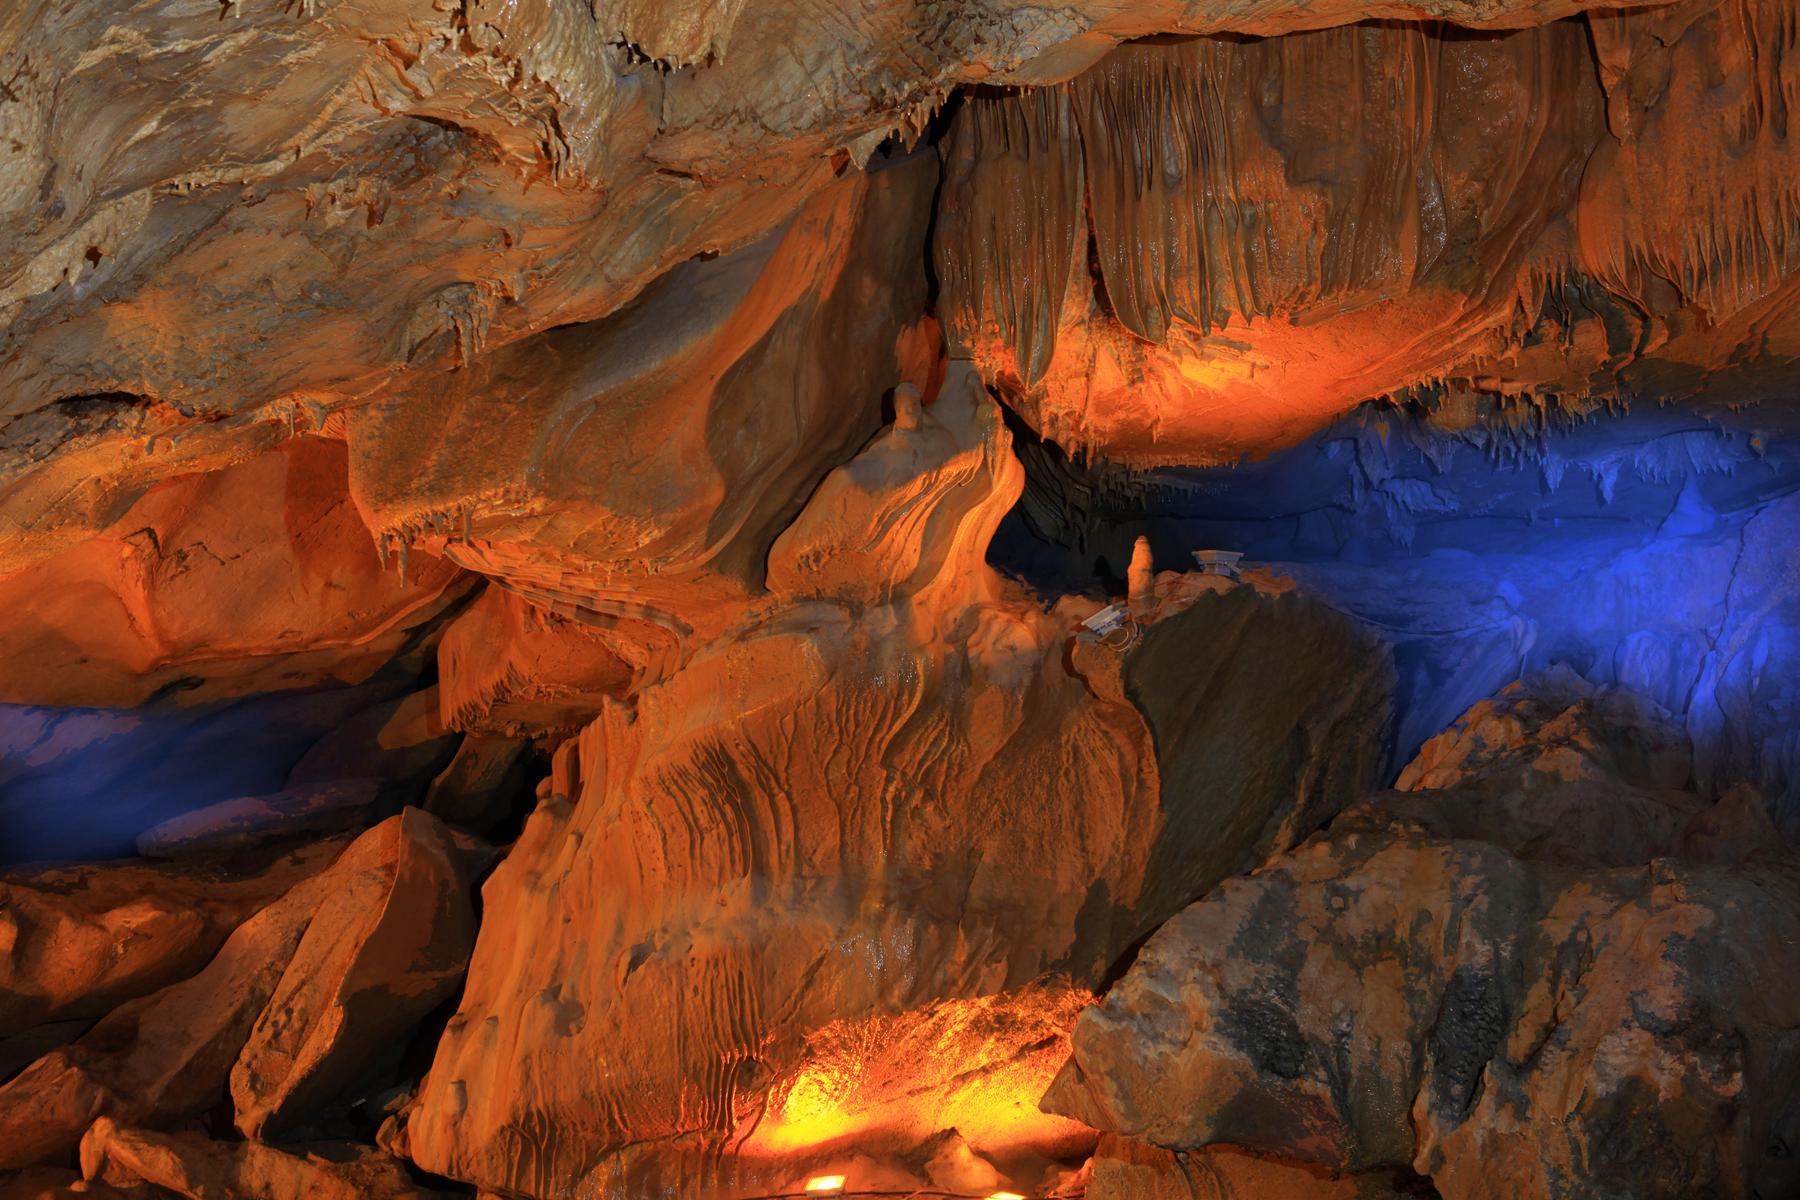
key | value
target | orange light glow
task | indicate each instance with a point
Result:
(974, 1065)
(1006, 1196)
(826, 1185)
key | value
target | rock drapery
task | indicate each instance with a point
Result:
(1283, 228)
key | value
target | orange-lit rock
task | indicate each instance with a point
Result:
(167, 1055)
(770, 856)
(381, 952)
(317, 318)
(509, 666)
(1284, 228)
(1127, 1170)
(637, 470)
(257, 577)
(62, 1183)
(186, 1164)
(1556, 768)
(79, 941)
(910, 517)
(483, 783)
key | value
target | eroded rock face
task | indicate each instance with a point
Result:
(255, 578)
(1283, 228)
(772, 844)
(635, 472)
(1559, 769)
(1387, 996)
(167, 1055)
(190, 1165)
(311, 315)
(462, 178)
(79, 941)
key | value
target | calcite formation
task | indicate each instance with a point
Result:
(770, 843)
(599, 599)
(1282, 228)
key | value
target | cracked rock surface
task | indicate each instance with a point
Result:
(1418, 987)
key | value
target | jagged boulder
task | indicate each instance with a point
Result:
(76, 942)
(1122, 1169)
(168, 1055)
(382, 950)
(186, 1164)
(1505, 1020)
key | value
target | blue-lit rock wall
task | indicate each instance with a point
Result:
(1648, 548)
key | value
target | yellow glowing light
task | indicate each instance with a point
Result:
(1006, 1196)
(1215, 372)
(828, 1185)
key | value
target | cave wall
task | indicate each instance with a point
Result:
(665, 456)
(1651, 549)
(1202, 249)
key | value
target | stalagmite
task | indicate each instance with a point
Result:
(1140, 576)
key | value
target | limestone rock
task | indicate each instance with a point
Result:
(773, 843)
(916, 508)
(415, 178)
(382, 950)
(168, 1054)
(78, 941)
(256, 577)
(318, 808)
(1127, 1170)
(1506, 1020)
(1552, 729)
(1556, 768)
(186, 1164)
(398, 741)
(708, 384)
(510, 666)
(61, 1183)
(1252, 276)
(484, 785)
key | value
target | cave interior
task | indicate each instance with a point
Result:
(612, 600)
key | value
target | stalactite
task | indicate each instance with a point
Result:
(1005, 252)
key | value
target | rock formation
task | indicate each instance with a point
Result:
(292, 998)
(723, 479)
(769, 845)
(1430, 985)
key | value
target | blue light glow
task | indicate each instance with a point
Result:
(1654, 549)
